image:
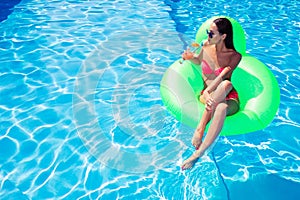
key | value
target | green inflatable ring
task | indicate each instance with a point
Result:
(256, 85)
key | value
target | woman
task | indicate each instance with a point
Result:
(218, 59)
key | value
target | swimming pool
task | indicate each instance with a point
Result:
(81, 114)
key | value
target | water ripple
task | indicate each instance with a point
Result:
(110, 137)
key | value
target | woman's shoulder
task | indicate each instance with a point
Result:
(237, 55)
(235, 58)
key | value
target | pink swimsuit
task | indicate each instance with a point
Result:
(207, 70)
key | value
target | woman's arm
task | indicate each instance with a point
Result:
(194, 58)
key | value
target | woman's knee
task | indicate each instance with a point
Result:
(227, 85)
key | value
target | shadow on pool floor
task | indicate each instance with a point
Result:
(6, 8)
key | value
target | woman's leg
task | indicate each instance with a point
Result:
(219, 95)
(223, 109)
(198, 134)
(219, 115)
(213, 132)
(215, 127)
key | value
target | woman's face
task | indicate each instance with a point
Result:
(214, 36)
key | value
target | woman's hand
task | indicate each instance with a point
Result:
(187, 55)
(210, 104)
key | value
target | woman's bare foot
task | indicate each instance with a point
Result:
(190, 162)
(196, 140)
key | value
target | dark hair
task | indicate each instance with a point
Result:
(225, 27)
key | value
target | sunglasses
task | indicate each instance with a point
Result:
(210, 33)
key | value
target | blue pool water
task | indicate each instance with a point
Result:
(82, 117)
